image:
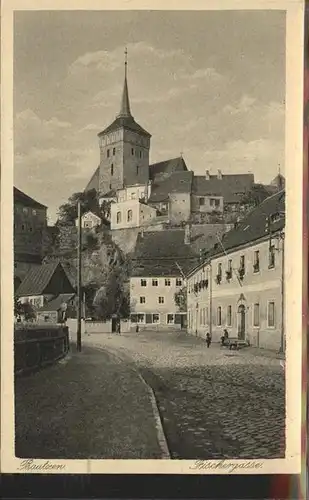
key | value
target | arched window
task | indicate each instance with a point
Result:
(118, 217)
(112, 169)
(130, 215)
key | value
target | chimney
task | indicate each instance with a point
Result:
(219, 174)
(207, 175)
(187, 239)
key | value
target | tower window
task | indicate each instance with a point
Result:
(132, 151)
(107, 153)
(114, 151)
(112, 169)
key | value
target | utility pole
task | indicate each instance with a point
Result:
(79, 279)
(282, 296)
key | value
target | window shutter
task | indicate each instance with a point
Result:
(148, 318)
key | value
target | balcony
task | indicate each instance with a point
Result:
(241, 273)
(228, 275)
(218, 278)
(256, 267)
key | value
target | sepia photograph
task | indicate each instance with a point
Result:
(152, 244)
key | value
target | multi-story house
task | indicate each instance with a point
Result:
(240, 285)
(160, 261)
(30, 224)
(131, 213)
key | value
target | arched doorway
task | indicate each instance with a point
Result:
(241, 313)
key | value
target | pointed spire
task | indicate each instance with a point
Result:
(125, 111)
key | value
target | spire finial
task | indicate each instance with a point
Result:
(125, 103)
(125, 61)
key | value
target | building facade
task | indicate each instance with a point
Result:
(30, 225)
(240, 287)
(159, 263)
(152, 302)
(89, 220)
(131, 214)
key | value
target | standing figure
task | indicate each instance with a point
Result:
(118, 328)
(208, 339)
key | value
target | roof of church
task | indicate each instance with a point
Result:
(175, 182)
(124, 119)
(94, 181)
(167, 166)
(125, 122)
(230, 186)
(23, 198)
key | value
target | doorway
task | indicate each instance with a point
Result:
(241, 322)
(114, 325)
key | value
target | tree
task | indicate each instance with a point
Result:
(255, 196)
(25, 310)
(67, 213)
(180, 299)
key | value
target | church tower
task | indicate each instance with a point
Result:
(124, 149)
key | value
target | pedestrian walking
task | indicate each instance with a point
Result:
(208, 339)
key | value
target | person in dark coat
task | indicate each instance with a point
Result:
(208, 339)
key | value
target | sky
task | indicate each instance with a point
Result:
(209, 85)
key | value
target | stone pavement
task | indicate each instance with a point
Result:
(214, 403)
(90, 405)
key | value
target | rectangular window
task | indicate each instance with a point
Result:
(202, 201)
(132, 151)
(133, 196)
(219, 316)
(161, 300)
(271, 315)
(107, 153)
(114, 151)
(256, 314)
(143, 282)
(156, 318)
(256, 262)
(137, 169)
(229, 316)
(217, 203)
(167, 282)
(140, 154)
(271, 257)
(154, 282)
(142, 300)
(140, 318)
(170, 319)
(178, 282)
(25, 210)
(112, 169)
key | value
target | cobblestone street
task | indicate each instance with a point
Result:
(214, 403)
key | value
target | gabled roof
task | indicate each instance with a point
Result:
(175, 182)
(157, 252)
(37, 279)
(24, 199)
(128, 123)
(167, 167)
(231, 187)
(254, 226)
(55, 304)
